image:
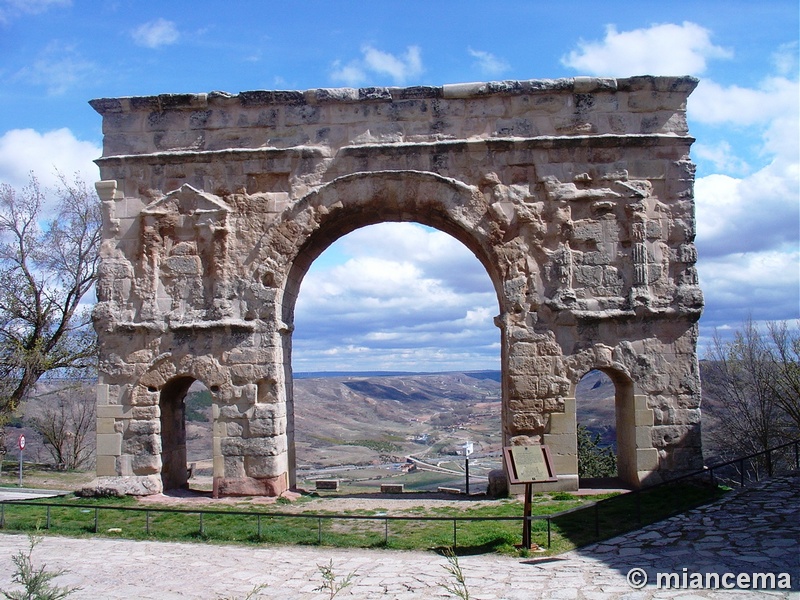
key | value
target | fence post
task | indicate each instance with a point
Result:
(769, 463)
(548, 532)
(259, 527)
(386, 532)
(96, 511)
(454, 535)
(638, 506)
(2, 515)
(797, 455)
(597, 520)
(47, 525)
(202, 527)
(741, 473)
(147, 522)
(319, 531)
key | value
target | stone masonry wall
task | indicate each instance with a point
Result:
(575, 194)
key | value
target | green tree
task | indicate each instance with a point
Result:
(594, 460)
(47, 266)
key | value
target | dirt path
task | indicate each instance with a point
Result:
(296, 503)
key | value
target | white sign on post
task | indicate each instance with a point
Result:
(21, 444)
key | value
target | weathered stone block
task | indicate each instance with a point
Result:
(109, 444)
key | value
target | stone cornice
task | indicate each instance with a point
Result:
(577, 85)
(322, 152)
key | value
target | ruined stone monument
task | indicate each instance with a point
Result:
(574, 194)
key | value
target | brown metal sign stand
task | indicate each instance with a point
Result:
(528, 465)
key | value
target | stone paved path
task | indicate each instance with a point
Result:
(28, 493)
(756, 530)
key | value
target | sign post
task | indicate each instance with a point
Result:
(467, 452)
(528, 465)
(21, 444)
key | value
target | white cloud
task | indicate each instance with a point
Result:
(14, 8)
(26, 150)
(488, 64)
(715, 104)
(155, 34)
(762, 284)
(748, 226)
(59, 68)
(757, 213)
(721, 155)
(374, 62)
(665, 49)
(785, 59)
(407, 296)
(350, 74)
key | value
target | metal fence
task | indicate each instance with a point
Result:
(603, 517)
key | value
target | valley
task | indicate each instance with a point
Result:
(367, 429)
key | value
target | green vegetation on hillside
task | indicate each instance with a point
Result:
(195, 403)
(594, 460)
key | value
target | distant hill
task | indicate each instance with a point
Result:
(337, 413)
(369, 418)
(327, 374)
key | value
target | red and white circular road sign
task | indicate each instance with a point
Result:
(21, 442)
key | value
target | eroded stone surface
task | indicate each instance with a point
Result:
(575, 194)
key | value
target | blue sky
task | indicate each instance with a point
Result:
(399, 296)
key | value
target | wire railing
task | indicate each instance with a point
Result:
(583, 524)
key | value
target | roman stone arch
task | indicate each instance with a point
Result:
(575, 195)
(361, 199)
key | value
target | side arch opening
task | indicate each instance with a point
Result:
(186, 422)
(606, 429)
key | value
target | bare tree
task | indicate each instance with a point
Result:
(46, 269)
(785, 357)
(66, 418)
(751, 384)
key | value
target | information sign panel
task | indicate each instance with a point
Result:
(529, 464)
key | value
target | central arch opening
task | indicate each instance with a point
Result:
(396, 363)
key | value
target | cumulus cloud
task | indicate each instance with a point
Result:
(59, 68)
(748, 206)
(752, 214)
(721, 155)
(665, 49)
(748, 213)
(759, 284)
(399, 301)
(155, 34)
(785, 59)
(713, 103)
(488, 64)
(374, 62)
(23, 151)
(10, 9)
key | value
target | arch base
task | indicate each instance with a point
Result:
(251, 486)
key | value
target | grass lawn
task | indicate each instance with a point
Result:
(36, 475)
(578, 520)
